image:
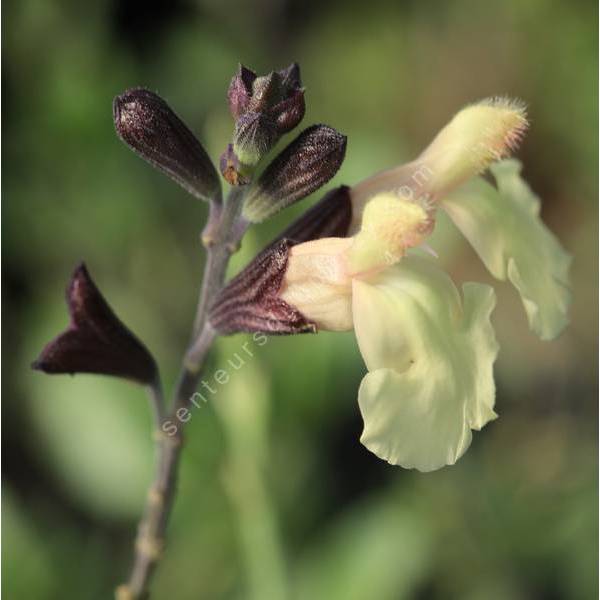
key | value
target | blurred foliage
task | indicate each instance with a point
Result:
(277, 497)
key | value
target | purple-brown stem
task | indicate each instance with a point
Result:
(221, 238)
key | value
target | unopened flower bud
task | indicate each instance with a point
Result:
(306, 164)
(264, 108)
(146, 123)
(96, 341)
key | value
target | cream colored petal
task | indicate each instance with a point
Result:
(477, 136)
(504, 227)
(408, 424)
(391, 224)
(406, 181)
(431, 360)
(317, 283)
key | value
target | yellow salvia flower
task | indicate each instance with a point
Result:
(430, 349)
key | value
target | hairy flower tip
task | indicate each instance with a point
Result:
(330, 217)
(391, 225)
(96, 341)
(264, 108)
(306, 164)
(477, 136)
(503, 135)
(146, 123)
(250, 302)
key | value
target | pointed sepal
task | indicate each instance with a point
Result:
(240, 91)
(96, 341)
(264, 108)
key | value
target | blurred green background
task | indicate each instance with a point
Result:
(277, 498)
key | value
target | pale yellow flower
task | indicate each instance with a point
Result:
(429, 350)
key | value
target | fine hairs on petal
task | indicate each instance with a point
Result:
(477, 136)
(501, 138)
